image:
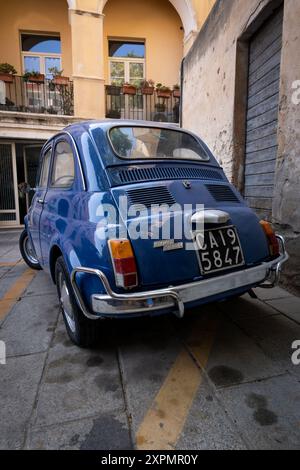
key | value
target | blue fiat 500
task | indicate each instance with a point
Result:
(137, 218)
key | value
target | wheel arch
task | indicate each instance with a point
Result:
(55, 253)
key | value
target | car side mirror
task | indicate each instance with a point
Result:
(25, 188)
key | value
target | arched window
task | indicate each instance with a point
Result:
(40, 53)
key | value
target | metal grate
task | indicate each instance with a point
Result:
(222, 193)
(150, 196)
(136, 175)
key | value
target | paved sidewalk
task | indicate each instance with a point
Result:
(221, 378)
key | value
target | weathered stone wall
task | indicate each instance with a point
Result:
(286, 207)
(214, 102)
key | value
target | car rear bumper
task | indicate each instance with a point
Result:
(112, 304)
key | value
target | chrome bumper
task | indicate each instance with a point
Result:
(111, 304)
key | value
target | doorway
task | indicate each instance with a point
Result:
(9, 200)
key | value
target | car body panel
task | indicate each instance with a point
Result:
(71, 220)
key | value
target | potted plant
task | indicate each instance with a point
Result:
(147, 87)
(129, 89)
(163, 91)
(33, 76)
(176, 91)
(7, 72)
(114, 89)
(58, 78)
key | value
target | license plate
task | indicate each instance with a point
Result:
(219, 249)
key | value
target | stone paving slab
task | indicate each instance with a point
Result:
(148, 350)
(41, 285)
(78, 383)
(234, 358)
(103, 432)
(207, 426)
(30, 325)
(246, 307)
(289, 306)
(19, 380)
(267, 413)
(275, 336)
(10, 276)
(269, 294)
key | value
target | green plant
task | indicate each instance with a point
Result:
(30, 73)
(7, 68)
(130, 85)
(147, 83)
(55, 72)
(176, 87)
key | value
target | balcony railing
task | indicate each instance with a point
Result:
(44, 97)
(148, 105)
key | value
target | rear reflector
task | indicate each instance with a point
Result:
(272, 239)
(124, 263)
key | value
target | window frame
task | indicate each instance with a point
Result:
(42, 164)
(50, 185)
(41, 55)
(128, 159)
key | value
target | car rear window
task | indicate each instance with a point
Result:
(136, 143)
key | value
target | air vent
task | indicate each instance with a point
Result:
(150, 196)
(136, 175)
(222, 193)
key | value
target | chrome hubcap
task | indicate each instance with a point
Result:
(29, 251)
(66, 303)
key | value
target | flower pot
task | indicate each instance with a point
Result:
(129, 90)
(163, 93)
(176, 93)
(37, 78)
(6, 77)
(61, 80)
(113, 90)
(148, 90)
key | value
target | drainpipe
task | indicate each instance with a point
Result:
(181, 88)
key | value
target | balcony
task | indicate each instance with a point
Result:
(142, 104)
(43, 97)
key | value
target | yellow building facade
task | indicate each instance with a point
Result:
(97, 44)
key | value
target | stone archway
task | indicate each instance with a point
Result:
(184, 8)
(86, 20)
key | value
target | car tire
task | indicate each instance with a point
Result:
(81, 330)
(27, 251)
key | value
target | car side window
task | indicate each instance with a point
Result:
(45, 169)
(63, 171)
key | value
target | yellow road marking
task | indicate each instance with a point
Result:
(10, 265)
(166, 417)
(14, 293)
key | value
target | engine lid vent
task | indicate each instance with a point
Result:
(136, 175)
(150, 196)
(222, 193)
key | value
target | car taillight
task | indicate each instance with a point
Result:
(272, 239)
(124, 263)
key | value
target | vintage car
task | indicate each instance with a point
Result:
(137, 218)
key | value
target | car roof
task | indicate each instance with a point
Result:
(107, 124)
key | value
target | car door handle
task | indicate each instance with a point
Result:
(41, 201)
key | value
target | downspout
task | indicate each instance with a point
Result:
(181, 88)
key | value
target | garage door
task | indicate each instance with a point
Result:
(262, 115)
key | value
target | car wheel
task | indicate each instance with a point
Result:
(82, 331)
(27, 251)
